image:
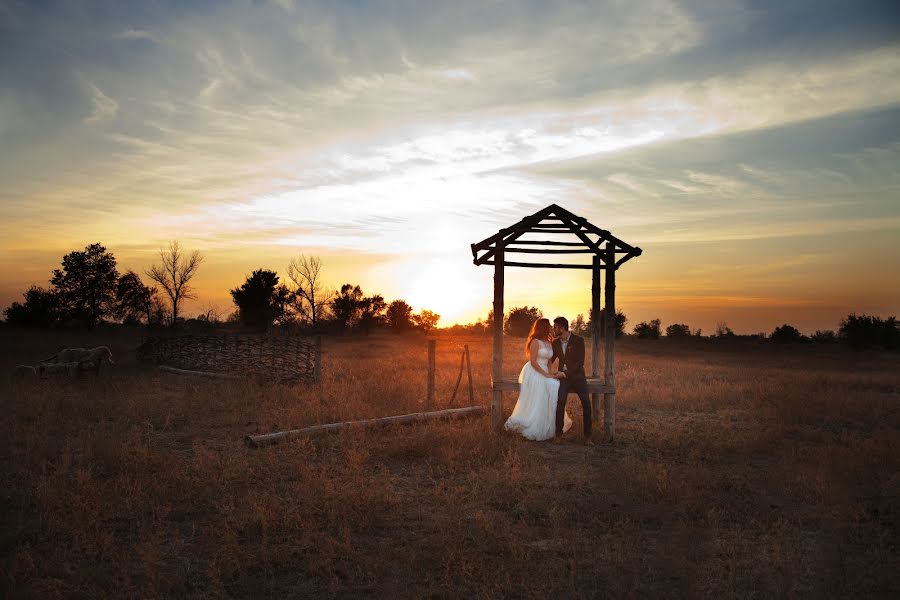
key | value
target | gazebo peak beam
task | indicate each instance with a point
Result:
(561, 222)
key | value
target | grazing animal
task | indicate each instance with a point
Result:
(24, 372)
(87, 359)
(91, 355)
(59, 369)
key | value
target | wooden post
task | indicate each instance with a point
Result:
(469, 370)
(609, 354)
(497, 364)
(429, 403)
(595, 332)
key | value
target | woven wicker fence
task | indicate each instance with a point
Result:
(281, 358)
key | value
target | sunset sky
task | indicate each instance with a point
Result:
(752, 149)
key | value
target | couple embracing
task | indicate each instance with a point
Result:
(540, 412)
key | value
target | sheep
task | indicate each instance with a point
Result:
(68, 369)
(88, 359)
(86, 355)
(24, 372)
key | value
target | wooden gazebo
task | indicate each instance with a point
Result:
(570, 235)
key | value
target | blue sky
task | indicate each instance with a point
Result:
(751, 148)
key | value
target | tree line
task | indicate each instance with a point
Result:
(88, 289)
(856, 331)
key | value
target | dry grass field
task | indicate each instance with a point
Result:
(738, 470)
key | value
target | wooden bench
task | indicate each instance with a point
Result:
(595, 385)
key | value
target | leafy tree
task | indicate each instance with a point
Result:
(520, 319)
(678, 330)
(824, 337)
(786, 334)
(579, 326)
(621, 321)
(863, 331)
(648, 331)
(134, 300)
(346, 306)
(261, 300)
(86, 284)
(426, 321)
(371, 312)
(399, 316)
(174, 275)
(40, 309)
(311, 298)
(723, 330)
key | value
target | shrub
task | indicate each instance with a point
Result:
(648, 331)
(786, 334)
(520, 320)
(678, 330)
(863, 331)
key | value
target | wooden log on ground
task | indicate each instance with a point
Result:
(255, 441)
(208, 374)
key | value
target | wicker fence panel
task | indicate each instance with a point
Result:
(276, 357)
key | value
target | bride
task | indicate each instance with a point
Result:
(535, 413)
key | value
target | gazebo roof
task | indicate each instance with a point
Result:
(556, 221)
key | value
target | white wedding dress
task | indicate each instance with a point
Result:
(535, 413)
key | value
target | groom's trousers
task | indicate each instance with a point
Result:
(579, 386)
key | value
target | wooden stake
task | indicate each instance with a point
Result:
(609, 399)
(469, 370)
(497, 363)
(255, 441)
(429, 403)
(595, 334)
(462, 364)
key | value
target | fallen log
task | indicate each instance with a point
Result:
(209, 374)
(255, 441)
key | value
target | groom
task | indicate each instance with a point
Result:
(569, 349)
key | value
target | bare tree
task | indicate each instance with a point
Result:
(311, 298)
(176, 270)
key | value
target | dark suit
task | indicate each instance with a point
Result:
(572, 363)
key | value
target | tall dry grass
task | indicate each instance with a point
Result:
(737, 470)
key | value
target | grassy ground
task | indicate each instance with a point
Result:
(738, 470)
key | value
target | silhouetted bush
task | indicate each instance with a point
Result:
(824, 337)
(678, 330)
(40, 309)
(520, 319)
(863, 331)
(786, 334)
(648, 331)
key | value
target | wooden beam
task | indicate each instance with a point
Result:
(497, 359)
(549, 251)
(548, 243)
(609, 398)
(541, 265)
(255, 441)
(548, 229)
(595, 332)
